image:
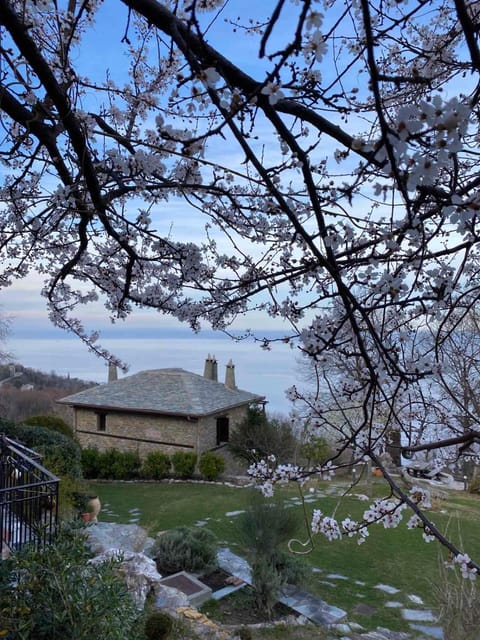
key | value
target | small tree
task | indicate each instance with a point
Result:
(265, 528)
(315, 450)
(259, 436)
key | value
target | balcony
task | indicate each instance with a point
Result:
(28, 498)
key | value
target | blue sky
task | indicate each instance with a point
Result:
(148, 339)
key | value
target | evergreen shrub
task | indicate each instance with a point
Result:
(184, 463)
(50, 422)
(91, 462)
(119, 465)
(186, 549)
(60, 454)
(58, 595)
(211, 465)
(158, 626)
(157, 465)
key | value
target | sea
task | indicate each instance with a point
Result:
(266, 372)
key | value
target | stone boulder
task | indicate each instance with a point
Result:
(168, 598)
(110, 535)
(138, 571)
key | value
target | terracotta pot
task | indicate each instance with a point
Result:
(377, 472)
(94, 507)
(86, 517)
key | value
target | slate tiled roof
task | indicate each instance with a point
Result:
(166, 391)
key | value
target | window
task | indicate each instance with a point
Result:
(101, 421)
(222, 430)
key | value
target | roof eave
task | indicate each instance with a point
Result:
(103, 407)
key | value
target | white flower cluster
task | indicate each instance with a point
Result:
(416, 523)
(353, 528)
(467, 570)
(388, 512)
(326, 525)
(266, 473)
(421, 497)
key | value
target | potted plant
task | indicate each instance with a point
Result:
(87, 505)
(93, 507)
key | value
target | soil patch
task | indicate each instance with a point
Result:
(239, 608)
(216, 580)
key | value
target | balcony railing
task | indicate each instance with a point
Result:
(28, 498)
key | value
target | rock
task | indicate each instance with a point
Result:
(168, 598)
(138, 571)
(110, 535)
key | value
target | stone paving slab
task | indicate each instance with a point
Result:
(318, 611)
(311, 606)
(300, 601)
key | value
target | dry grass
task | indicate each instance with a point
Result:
(458, 604)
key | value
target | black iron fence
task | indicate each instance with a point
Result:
(28, 498)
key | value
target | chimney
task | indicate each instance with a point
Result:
(207, 372)
(211, 368)
(230, 376)
(112, 372)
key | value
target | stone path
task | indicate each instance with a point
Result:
(422, 621)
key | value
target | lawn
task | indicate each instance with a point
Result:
(343, 573)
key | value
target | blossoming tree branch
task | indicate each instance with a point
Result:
(328, 150)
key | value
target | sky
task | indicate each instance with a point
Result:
(147, 339)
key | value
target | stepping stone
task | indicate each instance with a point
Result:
(418, 615)
(394, 605)
(430, 632)
(387, 588)
(415, 599)
(230, 514)
(336, 576)
(311, 606)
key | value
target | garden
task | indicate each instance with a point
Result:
(393, 570)
(343, 573)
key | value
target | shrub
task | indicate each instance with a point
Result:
(258, 437)
(55, 587)
(119, 465)
(474, 485)
(156, 466)
(91, 462)
(50, 422)
(184, 463)
(158, 626)
(264, 528)
(211, 465)
(60, 454)
(186, 549)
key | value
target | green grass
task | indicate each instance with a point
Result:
(397, 557)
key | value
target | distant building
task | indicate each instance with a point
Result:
(161, 409)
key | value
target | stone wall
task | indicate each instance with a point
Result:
(142, 433)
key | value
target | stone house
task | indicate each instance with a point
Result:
(161, 409)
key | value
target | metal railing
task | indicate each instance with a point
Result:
(28, 498)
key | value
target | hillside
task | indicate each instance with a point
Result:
(25, 392)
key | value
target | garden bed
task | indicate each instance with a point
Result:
(240, 608)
